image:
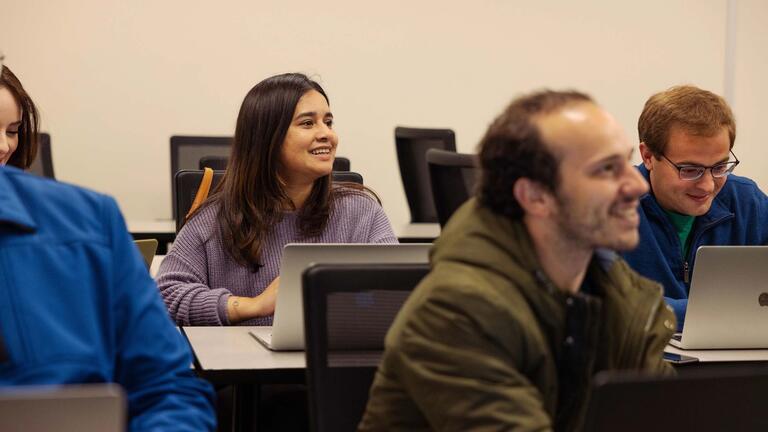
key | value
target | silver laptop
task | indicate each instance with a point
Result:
(728, 299)
(81, 408)
(287, 330)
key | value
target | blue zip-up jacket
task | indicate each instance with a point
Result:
(77, 305)
(738, 216)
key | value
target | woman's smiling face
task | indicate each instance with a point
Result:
(10, 121)
(310, 142)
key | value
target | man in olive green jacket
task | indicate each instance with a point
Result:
(526, 299)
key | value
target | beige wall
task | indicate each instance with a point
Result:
(750, 70)
(114, 79)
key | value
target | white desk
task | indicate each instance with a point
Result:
(165, 226)
(168, 227)
(729, 355)
(417, 232)
(164, 230)
(231, 356)
(223, 352)
(156, 261)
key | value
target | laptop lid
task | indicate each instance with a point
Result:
(287, 331)
(692, 402)
(728, 299)
(148, 248)
(82, 408)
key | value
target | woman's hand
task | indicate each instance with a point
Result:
(244, 308)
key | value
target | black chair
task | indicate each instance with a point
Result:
(347, 176)
(43, 163)
(716, 398)
(186, 152)
(216, 163)
(452, 177)
(412, 145)
(348, 309)
(220, 163)
(341, 164)
(187, 182)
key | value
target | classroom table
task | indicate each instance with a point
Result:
(156, 261)
(751, 361)
(417, 232)
(164, 230)
(231, 356)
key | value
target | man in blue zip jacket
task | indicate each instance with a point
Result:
(686, 142)
(77, 305)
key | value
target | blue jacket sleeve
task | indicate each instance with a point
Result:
(153, 360)
(679, 306)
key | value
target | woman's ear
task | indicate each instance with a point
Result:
(533, 197)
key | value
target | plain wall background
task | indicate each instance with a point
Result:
(114, 79)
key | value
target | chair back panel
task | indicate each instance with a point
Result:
(216, 163)
(348, 309)
(43, 163)
(187, 182)
(341, 164)
(186, 152)
(453, 177)
(412, 145)
(347, 176)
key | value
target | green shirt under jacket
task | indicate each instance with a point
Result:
(486, 342)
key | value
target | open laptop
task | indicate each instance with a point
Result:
(728, 300)
(694, 402)
(287, 330)
(147, 248)
(82, 408)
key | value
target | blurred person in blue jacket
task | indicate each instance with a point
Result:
(77, 304)
(686, 142)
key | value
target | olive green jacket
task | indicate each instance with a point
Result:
(485, 341)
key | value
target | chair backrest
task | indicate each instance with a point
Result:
(186, 152)
(452, 177)
(348, 309)
(220, 163)
(702, 400)
(187, 182)
(43, 163)
(216, 163)
(341, 164)
(412, 145)
(347, 176)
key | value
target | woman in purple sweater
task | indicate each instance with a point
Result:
(223, 268)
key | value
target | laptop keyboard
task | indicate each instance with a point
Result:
(677, 336)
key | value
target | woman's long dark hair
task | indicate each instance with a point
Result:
(26, 150)
(251, 195)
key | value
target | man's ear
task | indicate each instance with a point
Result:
(533, 197)
(647, 156)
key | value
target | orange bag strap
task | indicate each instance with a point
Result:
(202, 191)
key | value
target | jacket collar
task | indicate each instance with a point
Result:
(479, 236)
(12, 210)
(717, 211)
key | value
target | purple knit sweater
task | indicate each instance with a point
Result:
(197, 276)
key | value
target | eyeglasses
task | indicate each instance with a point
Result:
(694, 172)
